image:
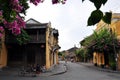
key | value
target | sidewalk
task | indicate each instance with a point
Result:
(91, 65)
(55, 70)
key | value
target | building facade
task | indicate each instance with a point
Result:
(42, 48)
(102, 58)
(69, 54)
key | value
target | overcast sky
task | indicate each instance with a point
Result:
(70, 19)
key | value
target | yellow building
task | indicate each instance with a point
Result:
(101, 59)
(41, 49)
(3, 53)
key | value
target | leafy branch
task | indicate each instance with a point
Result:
(97, 14)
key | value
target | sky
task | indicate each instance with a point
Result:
(70, 19)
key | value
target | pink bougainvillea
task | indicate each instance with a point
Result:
(1, 29)
(10, 11)
(58, 1)
(15, 26)
(15, 4)
(35, 2)
(0, 13)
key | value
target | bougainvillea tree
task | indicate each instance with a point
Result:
(11, 11)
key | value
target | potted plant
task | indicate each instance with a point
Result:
(113, 65)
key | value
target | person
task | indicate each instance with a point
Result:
(72, 60)
(33, 67)
(38, 69)
(65, 61)
(43, 68)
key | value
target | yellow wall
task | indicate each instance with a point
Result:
(49, 54)
(115, 26)
(119, 61)
(47, 50)
(118, 29)
(94, 57)
(98, 58)
(57, 57)
(3, 54)
(51, 42)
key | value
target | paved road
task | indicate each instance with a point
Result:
(75, 72)
(80, 72)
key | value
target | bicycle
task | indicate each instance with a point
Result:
(28, 71)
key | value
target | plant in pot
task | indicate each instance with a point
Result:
(113, 65)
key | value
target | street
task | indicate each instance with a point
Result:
(74, 72)
(79, 72)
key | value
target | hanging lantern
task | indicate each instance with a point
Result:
(42, 46)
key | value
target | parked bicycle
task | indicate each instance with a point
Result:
(27, 71)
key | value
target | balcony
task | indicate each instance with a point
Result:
(37, 39)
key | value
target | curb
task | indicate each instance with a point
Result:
(61, 72)
(107, 70)
(100, 69)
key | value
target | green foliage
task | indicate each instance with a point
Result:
(25, 6)
(107, 17)
(83, 0)
(9, 14)
(98, 3)
(95, 17)
(80, 52)
(88, 41)
(101, 41)
(23, 38)
(84, 54)
(105, 41)
(113, 65)
(60, 53)
(112, 61)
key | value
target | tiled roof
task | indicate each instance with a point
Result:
(33, 24)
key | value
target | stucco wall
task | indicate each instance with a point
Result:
(3, 56)
(98, 58)
(119, 61)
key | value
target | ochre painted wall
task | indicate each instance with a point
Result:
(118, 61)
(98, 58)
(47, 50)
(3, 54)
(49, 54)
(115, 26)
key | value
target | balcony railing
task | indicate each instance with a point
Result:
(37, 39)
(34, 39)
